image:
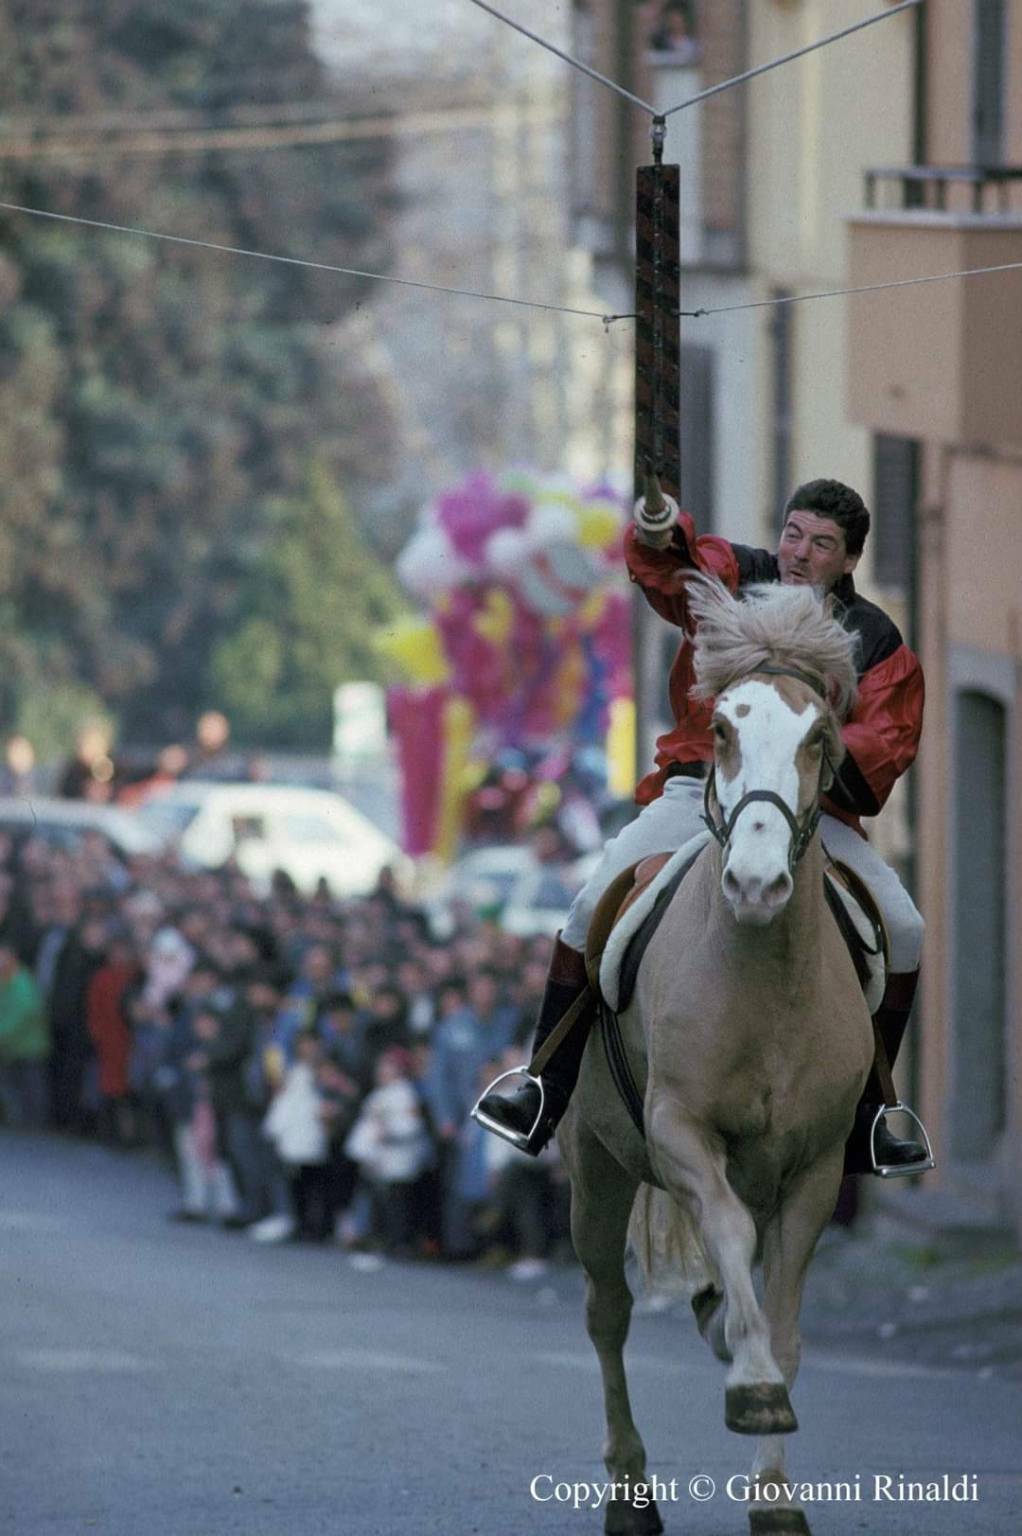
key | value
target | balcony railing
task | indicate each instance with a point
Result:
(945, 188)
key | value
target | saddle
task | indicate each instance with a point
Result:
(631, 909)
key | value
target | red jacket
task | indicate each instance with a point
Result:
(882, 732)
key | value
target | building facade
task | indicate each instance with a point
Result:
(890, 154)
(934, 372)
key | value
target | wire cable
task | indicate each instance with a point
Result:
(498, 298)
(838, 293)
(247, 140)
(315, 266)
(761, 69)
(575, 63)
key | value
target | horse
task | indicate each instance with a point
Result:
(750, 1033)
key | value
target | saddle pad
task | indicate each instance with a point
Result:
(611, 965)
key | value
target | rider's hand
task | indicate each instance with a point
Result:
(656, 529)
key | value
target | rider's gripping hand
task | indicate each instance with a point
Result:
(656, 528)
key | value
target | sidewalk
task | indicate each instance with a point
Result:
(947, 1299)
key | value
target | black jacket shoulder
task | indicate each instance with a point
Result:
(878, 635)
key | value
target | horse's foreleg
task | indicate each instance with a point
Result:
(694, 1173)
(788, 1243)
(601, 1201)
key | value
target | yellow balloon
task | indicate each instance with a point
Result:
(495, 621)
(415, 646)
(599, 525)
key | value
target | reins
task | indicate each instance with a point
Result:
(801, 831)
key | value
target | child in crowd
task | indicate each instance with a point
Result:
(391, 1144)
(296, 1125)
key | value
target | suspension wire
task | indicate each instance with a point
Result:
(250, 139)
(761, 69)
(315, 266)
(575, 63)
(498, 298)
(837, 293)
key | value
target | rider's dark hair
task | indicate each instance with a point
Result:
(829, 498)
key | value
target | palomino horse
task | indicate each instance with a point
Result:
(751, 1034)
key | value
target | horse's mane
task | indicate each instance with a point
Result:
(773, 625)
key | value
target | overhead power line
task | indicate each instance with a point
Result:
(179, 142)
(713, 90)
(593, 74)
(296, 261)
(840, 293)
(800, 53)
(496, 298)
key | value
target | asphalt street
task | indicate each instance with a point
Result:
(158, 1380)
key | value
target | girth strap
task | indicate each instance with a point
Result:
(620, 1067)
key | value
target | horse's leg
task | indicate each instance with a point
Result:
(756, 1401)
(788, 1243)
(602, 1194)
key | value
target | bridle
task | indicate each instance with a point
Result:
(801, 831)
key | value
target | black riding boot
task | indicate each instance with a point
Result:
(517, 1111)
(891, 1020)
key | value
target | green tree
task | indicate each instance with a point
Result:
(158, 403)
(307, 614)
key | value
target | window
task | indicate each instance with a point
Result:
(673, 36)
(697, 434)
(781, 425)
(980, 931)
(248, 829)
(988, 83)
(895, 494)
(310, 829)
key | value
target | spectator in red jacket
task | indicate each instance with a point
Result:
(824, 531)
(110, 1032)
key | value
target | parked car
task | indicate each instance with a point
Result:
(508, 883)
(65, 823)
(538, 902)
(309, 834)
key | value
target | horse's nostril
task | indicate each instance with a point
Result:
(732, 889)
(777, 891)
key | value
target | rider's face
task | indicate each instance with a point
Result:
(812, 551)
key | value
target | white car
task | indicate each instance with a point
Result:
(480, 882)
(309, 834)
(507, 881)
(539, 902)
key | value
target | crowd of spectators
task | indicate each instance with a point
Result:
(306, 1065)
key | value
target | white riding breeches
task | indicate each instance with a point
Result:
(666, 823)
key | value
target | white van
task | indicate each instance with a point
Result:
(310, 834)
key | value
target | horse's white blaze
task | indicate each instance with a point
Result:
(756, 881)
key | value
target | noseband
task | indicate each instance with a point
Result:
(801, 831)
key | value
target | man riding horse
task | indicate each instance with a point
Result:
(824, 531)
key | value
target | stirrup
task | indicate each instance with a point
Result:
(898, 1170)
(519, 1139)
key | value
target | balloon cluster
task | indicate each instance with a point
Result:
(528, 617)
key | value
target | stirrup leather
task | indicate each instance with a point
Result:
(897, 1170)
(519, 1139)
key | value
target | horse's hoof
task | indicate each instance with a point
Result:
(778, 1522)
(763, 1409)
(708, 1306)
(622, 1518)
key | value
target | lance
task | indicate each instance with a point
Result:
(657, 389)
